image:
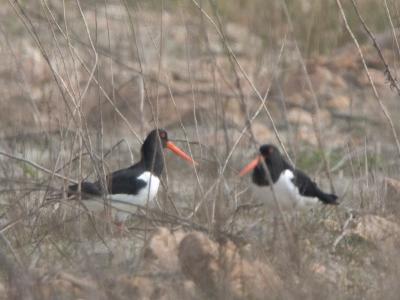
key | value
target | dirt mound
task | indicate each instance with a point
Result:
(183, 264)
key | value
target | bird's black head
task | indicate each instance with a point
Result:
(270, 153)
(274, 161)
(152, 154)
(270, 158)
(156, 138)
(152, 150)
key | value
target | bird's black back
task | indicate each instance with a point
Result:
(87, 189)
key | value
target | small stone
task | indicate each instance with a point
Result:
(297, 99)
(219, 268)
(341, 102)
(338, 82)
(320, 77)
(377, 230)
(307, 134)
(325, 117)
(318, 268)
(377, 76)
(346, 60)
(330, 271)
(233, 112)
(392, 185)
(332, 225)
(261, 132)
(299, 116)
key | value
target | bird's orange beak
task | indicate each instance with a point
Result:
(250, 166)
(171, 146)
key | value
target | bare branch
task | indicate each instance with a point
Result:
(393, 81)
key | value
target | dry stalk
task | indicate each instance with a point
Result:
(37, 166)
(393, 81)
(377, 97)
(345, 231)
(315, 118)
(251, 83)
(392, 28)
(238, 84)
(61, 84)
(94, 79)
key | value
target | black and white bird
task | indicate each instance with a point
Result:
(292, 187)
(134, 186)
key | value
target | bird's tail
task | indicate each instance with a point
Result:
(328, 198)
(86, 188)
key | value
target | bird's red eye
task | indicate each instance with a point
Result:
(162, 135)
(270, 150)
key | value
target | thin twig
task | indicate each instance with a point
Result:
(315, 117)
(393, 81)
(377, 97)
(37, 166)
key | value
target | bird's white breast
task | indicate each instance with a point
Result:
(285, 191)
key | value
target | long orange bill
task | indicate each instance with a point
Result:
(171, 146)
(250, 166)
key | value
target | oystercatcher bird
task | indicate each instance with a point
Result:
(292, 187)
(133, 186)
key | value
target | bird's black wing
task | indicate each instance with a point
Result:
(306, 186)
(126, 181)
(309, 188)
(87, 189)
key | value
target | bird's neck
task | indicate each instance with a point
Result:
(277, 168)
(260, 176)
(153, 161)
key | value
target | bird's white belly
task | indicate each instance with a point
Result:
(123, 204)
(285, 191)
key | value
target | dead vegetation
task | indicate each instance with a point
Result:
(82, 82)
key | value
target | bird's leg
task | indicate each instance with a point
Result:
(121, 228)
(274, 232)
(107, 216)
(296, 218)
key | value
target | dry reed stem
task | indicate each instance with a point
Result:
(37, 166)
(315, 119)
(393, 82)
(392, 28)
(377, 97)
(251, 83)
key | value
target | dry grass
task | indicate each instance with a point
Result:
(82, 82)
